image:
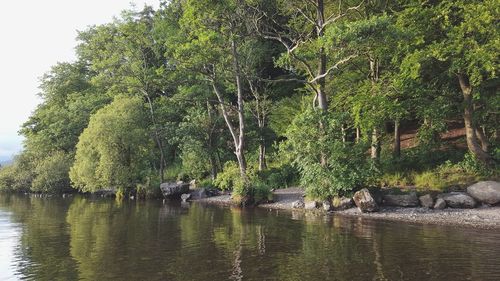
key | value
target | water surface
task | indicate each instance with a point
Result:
(80, 238)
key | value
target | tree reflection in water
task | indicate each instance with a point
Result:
(87, 239)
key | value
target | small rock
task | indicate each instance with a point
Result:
(426, 201)
(364, 201)
(174, 189)
(192, 184)
(310, 205)
(327, 206)
(401, 200)
(459, 200)
(485, 191)
(298, 204)
(185, 197)
(440, 204)
(342, 203)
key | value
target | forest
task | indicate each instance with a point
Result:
(255, 95)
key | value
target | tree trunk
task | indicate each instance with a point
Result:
(238, 136)
(157, 136)
(375, 147)
(397, 140)
(358, 134)
(320, 19)
(262, 155)
(241, 117)
(470, 131)
(374, 75)
(481, 136)
(343, 132)
(210, 140)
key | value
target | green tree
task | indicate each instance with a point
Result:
(114, 150)
(464, 37)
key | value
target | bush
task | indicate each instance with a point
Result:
(172, 171)
(345, 166)
(7, 178)
(230, 177)
(395, 180)
(207, 183)
(52, 173)
(281, 177)
(458, 175)
(253, 189)
(19, 175)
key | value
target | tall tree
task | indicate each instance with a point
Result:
(462, 35)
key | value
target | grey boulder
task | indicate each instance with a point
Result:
(426, 201)
(185, 197)
(174, 188)
(298, 204)
(327, 206)
(342, 203)
(440, 204)
(401, 200)
(459, 200)
(365, 201)
(485, 191)
(311, 205)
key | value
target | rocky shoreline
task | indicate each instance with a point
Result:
(460, 208)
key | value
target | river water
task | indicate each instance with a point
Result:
(80, 238)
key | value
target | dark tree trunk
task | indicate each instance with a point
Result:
(211, 146)
(470, 130)
(157, 136)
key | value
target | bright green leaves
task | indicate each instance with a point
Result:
(114, 150)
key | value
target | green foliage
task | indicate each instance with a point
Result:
(230, 178)
(113, 151)
(346, 166)
(140, 98)
(19, 175)
(173, 171)
(279, 177)
(7, 178)
(52, 173)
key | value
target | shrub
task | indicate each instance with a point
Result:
(281, 177)
(230, 177)
(52, 173)
(206, 183)
(458, 175)
(395, 179)
(7, 178)
(253, 189)
(315, 137)
(19, 175)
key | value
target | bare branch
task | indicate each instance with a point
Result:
(335, 66)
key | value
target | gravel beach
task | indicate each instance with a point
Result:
(482, 217)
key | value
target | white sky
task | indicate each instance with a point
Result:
(34, 35)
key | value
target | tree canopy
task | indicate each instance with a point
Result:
(257, 94)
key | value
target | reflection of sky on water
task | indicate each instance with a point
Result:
(9, 239)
